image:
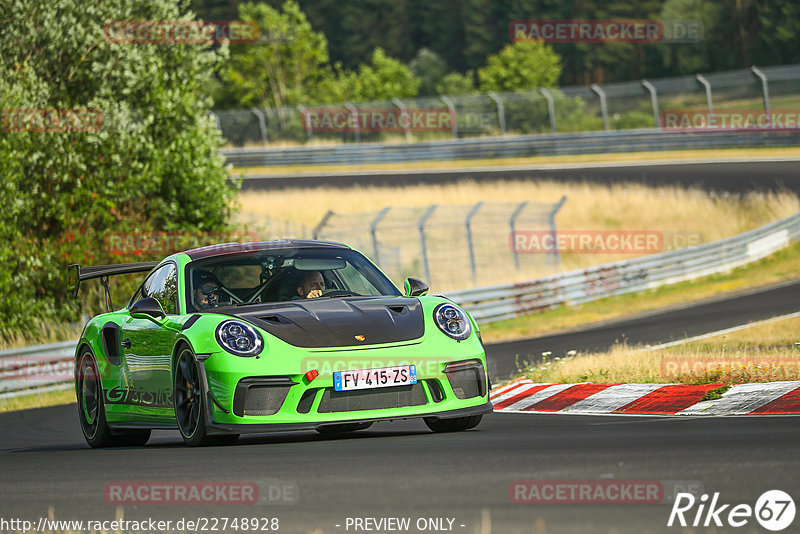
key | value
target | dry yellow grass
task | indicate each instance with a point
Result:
(38, 400)
(762, 353)
(691, 214)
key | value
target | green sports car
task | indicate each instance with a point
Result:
(276, 335)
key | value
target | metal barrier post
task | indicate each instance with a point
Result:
(765, 91)
(403, 111)
(423, 247)
(653, 102)
(551, 221)
(262, 124)
(501, 114)
(318, 228)
(373, 228)
(309, 130)
(452, 109)
(468, 225)
(512, 223)
(603, 107)
(216, 118)
(357, 130)
(705, 83)
(551, 107)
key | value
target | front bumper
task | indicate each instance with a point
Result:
(240, 401)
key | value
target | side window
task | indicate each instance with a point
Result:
(162, 285)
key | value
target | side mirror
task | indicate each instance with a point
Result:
(414, 287)
(148, 308)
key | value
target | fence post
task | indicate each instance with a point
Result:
(603, 107)
(307, 128)
(423, 247)
(216, 118)
(357, 130)
(765, 91)
(318, 228)
(653, 101)
(512, 223)
(373, 228)
(403, 111)
(551, 107)
(501, 114)
(452, 109)
(705, 83)
(551, 221)
(468, 225)
(262, 124)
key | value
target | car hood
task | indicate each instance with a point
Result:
(337, 322)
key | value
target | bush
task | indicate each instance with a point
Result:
(152, 165)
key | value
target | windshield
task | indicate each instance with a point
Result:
(282, 275)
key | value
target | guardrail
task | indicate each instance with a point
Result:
(46, 367)
(509, 147)
(506, 301)
(36, 369)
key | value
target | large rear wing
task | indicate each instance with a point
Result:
(77, 274)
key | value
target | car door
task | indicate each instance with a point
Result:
(147, 350)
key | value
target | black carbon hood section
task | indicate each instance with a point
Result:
(335, 322)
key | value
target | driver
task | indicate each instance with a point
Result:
(206, 289)
(311, 286)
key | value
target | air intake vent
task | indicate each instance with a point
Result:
(468, 379)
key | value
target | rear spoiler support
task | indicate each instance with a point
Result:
(76, 274)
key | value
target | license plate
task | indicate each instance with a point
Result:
(384, 377)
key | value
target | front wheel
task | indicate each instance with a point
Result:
(456, 424)
(189, 401)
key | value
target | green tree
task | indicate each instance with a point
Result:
(522, 65)
(287, 67)
(153, 164)
(429, 68)
(382, 78)
(455, 83)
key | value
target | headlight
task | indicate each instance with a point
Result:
(239, 338)
(452, 321)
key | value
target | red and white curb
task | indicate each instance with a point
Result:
(526, 396)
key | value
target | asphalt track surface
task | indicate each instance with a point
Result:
(721, 176)
(650, 329)
(402, 470)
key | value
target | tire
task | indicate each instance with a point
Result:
(342, 428)
(189, 401)
(457, 424)
(92, 412)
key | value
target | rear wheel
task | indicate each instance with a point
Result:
(342, 428)
(456, 424)
(91, 409)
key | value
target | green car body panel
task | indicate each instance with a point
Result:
(137, 381)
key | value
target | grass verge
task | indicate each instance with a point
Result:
(781, 266)
(762, 353)
(38, 400)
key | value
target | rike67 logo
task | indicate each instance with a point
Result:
(774, 510)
